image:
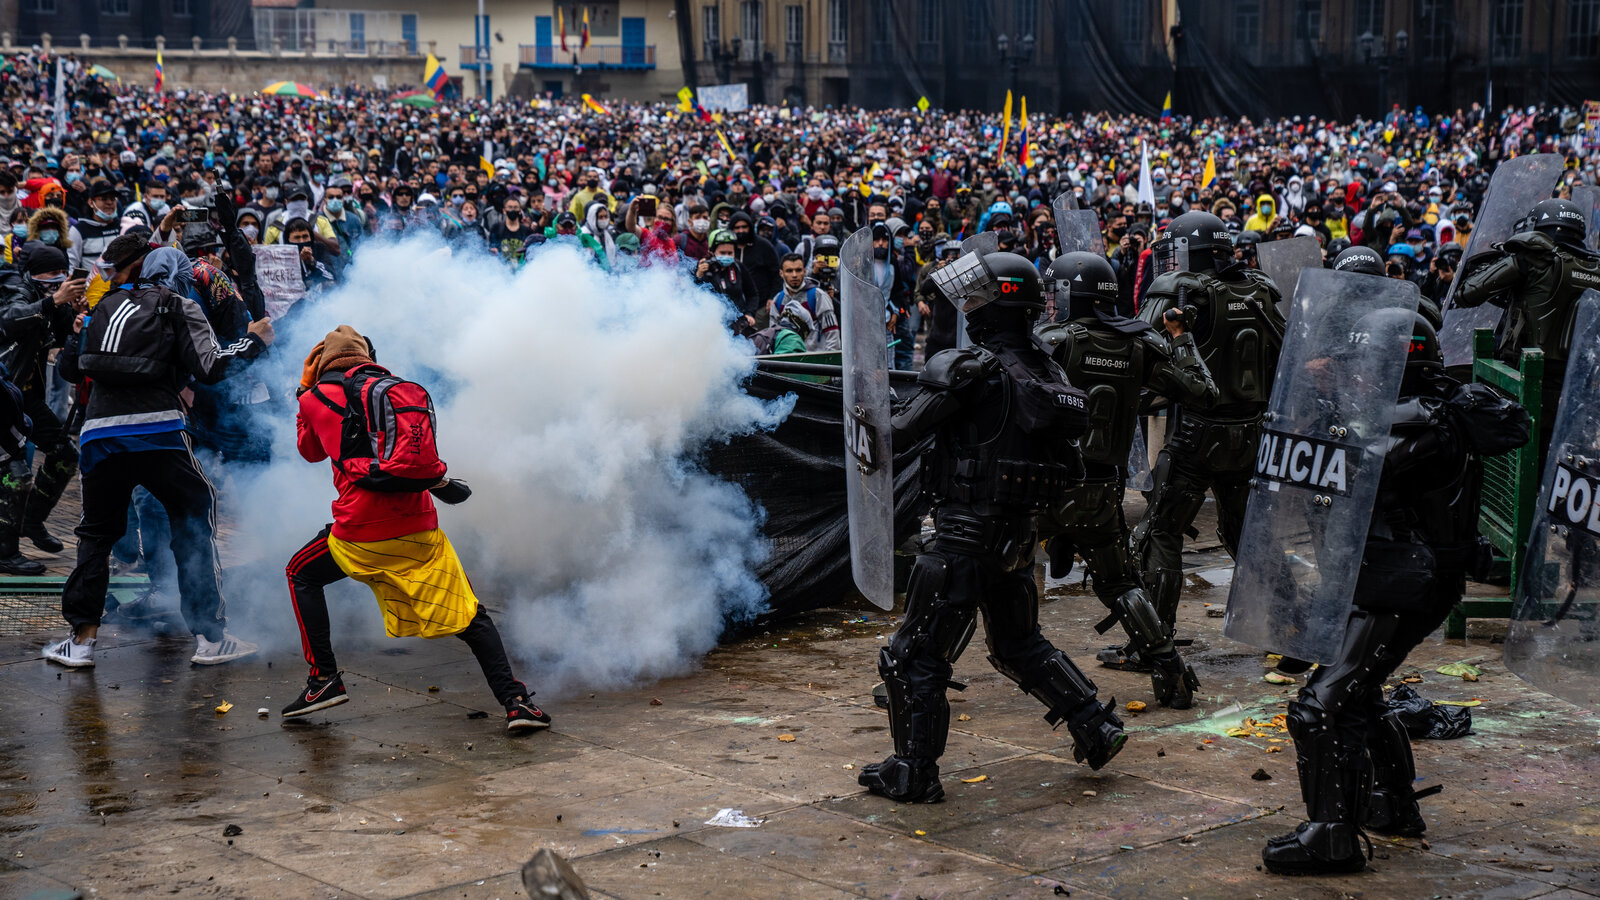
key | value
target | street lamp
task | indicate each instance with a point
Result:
(1013, 58)
(1377, 51)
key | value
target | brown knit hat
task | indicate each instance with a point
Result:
(343, 349)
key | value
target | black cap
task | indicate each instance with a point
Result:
(40, 257)
(566, 218)
(101, 188)
(296, 190)
(880, 231)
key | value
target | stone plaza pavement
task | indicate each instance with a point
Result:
(123, 780)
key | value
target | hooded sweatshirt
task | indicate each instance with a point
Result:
(1261, 220)
(825, 333)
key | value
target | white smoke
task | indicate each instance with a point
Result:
(573, 402)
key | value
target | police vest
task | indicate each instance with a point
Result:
(1232, 332)
(1109, 367)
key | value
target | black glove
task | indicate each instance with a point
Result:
(227, 214)
(452, 491)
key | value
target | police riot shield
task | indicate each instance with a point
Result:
(1587, 197)
(1317, 466)
(1078, 229)
(1283, 260)
(869, 462)
(1513, 190)
(1554, 639)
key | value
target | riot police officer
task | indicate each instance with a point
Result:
(1005, 427)
(1239, 332)
(1111, 358)
(1537, 276)
(1354, 758)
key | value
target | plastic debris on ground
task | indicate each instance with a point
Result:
(1461, 670)
(223, 707)
(977, 780)
(734, 818)
(1425, 719)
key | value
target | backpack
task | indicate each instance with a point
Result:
(131, 337)
(386, 441)
(766, 339)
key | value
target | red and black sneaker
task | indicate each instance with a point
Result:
(522, 715)
(317, 695)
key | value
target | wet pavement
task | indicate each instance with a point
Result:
(123, 780)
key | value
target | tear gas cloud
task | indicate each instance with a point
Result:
(573, 402)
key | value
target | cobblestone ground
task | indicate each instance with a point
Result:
(123, 780)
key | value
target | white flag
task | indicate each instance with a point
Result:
(61, 107)
(1147, 187)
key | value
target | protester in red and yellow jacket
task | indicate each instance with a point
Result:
(387, 539)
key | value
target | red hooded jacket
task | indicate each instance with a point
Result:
(358, 514)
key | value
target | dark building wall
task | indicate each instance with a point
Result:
(105, 21)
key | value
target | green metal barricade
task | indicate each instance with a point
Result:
(1510, 482)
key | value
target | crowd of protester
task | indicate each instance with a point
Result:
(754, 205)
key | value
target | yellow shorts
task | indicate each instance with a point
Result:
(418, 580)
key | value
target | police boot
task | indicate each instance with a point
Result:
(1097, 734)
(14, 487)
(1173, 681)
(903, 779)
(1335, 781)
(1393, 807)
(1124, 659)
(59, 466)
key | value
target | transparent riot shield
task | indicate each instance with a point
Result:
(1283, 260)
(1318, 463)
(1588, 199)
(1078, 229)
(1513, 190)
(1554, 639)
(869, 485)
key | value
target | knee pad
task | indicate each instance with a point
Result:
(1139, 618)
(1306, 719)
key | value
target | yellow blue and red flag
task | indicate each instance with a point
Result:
(1023, 155)
(161, 75)
(433, 77)
(1166, 106)
(594, 104)
(583, 39)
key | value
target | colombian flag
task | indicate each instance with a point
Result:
(561, 22)
(594, 104)
(726, 146)
(1210, 173)
(1166, 107)
(583, 39)
(1023, 156)
(484, 164)
(433, 77)
(161, 77)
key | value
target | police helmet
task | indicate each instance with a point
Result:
(1082, 274)
(1424, 352)
(1202, 230)
(1561, 219)
(1247, 238)
(1018, 282)
(1361, 259)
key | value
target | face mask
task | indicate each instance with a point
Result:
(50, 235)
(336, 205)
(270, 193)
(700, 226)
(880, 252)
(899, 243)
(159, 207)
(250, 231)
(297, 209)
(457, 200)
(163, 177)
(602, 224)
(513, 215)
(426, 155)
(319, 178)
(74, 177)
(20, 231)
(742, 237)
(723, 260)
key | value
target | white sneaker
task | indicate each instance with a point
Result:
(71, 653)
(228, 649)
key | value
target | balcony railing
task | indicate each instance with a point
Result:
(469, 56)
(597, 56)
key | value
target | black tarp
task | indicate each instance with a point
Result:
(796, 474)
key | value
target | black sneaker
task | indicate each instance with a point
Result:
(318, 695)
(522, 715)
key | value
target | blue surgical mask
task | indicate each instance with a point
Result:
(74, 177)
(723, 260)
(163, 177)
(336, 205)
(50, 235)
(20, 231)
